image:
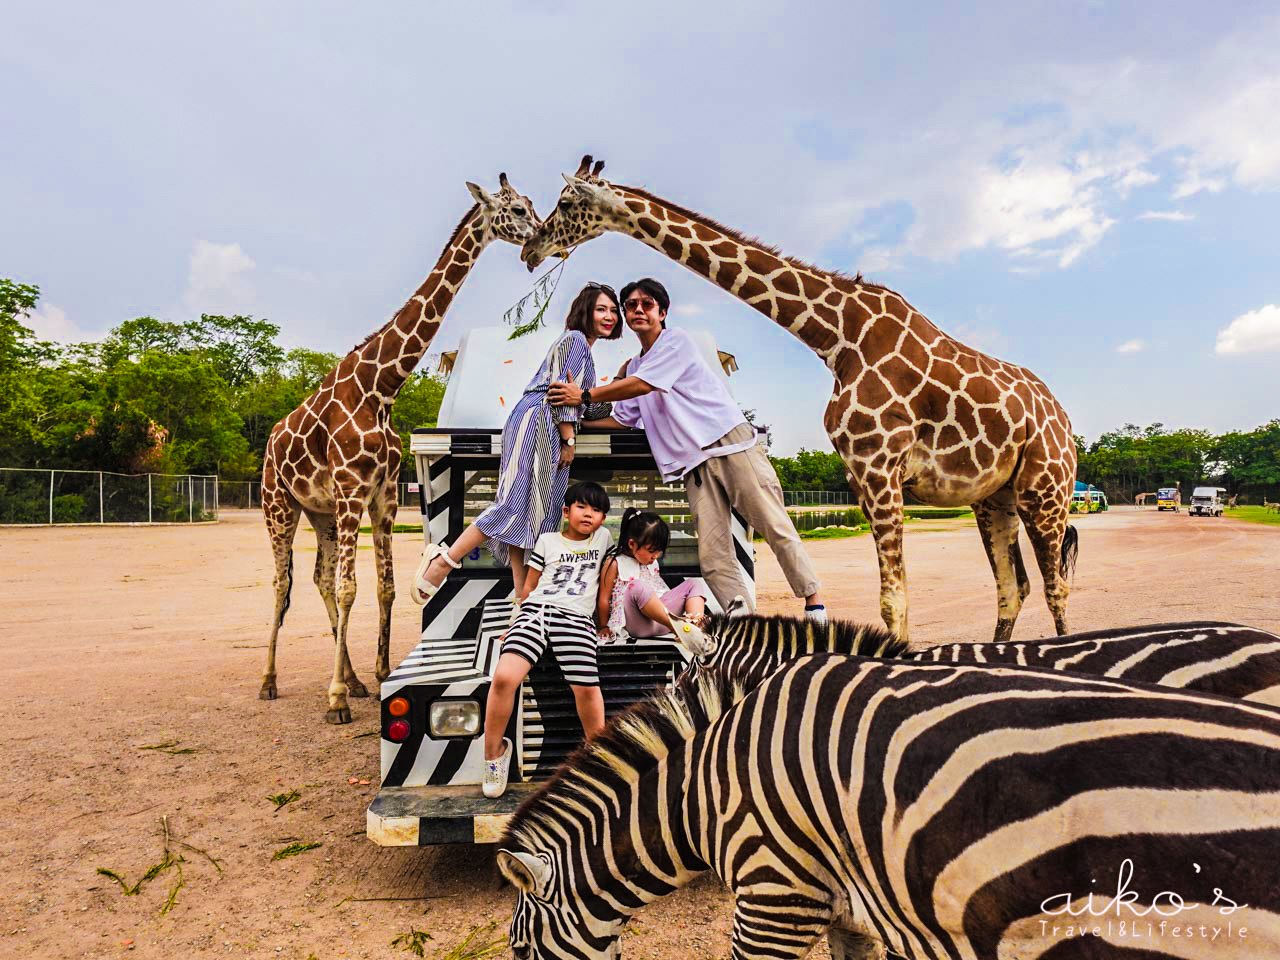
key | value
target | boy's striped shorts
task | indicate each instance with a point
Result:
(571, 635)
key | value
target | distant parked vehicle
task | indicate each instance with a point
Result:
(1169, 498)
(1207, 501)
(1088, 499)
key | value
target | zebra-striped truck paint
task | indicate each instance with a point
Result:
(1207, 656)
(430, 788)
(937, 810)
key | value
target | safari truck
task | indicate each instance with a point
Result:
(433, 703)
(1207, 501)
(1169, 498)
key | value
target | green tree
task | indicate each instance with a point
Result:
(417, 405)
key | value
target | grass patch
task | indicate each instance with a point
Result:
(170, 747)
(398, 528)
(280, 799)
(937, 513)
(833, 533)
(293, 849)
(415, 942)
(1254, 515)
(170, 861)
(467, 950)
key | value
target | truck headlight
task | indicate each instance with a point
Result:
(454, 718)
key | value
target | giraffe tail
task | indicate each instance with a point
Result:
(1070, 551)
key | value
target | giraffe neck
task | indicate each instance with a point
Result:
(819, 308)
(394, 350)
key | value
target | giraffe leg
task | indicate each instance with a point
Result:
(326, 527)
(382, 517)
(282, 514)
(884, 513)
(350, 508)
(1045, 517)
(997, 518)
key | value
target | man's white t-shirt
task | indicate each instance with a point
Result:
(570, 570)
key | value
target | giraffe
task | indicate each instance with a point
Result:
(913, 410)
(338, 453)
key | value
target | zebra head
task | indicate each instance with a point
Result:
(547, 922)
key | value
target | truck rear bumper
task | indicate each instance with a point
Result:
(423, 816)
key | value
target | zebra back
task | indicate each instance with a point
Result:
(946, 810)
(1208, 656)
(747, 649)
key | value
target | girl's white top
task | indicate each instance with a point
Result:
(629, 570)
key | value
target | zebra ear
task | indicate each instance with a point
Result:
(527, 873)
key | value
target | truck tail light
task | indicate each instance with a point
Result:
(398, 707)
(398, 731)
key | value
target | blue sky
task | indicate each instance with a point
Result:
(1089, 189)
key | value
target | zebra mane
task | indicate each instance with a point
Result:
(631, 744)
(785, 637)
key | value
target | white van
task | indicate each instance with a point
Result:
(1208, 501)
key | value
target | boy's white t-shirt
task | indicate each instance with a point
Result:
(570, 570)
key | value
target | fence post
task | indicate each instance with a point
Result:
(191, 498)
(51, 497)
(101, 514)
(148, 498)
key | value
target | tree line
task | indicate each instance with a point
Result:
(202, 396)
(158, 396)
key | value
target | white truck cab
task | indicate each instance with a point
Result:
(1208, 501)
(433, 703)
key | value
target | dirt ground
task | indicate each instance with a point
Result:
(116, 639)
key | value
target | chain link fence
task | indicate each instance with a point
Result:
(92, 496)
(247, 495)
(813, 498)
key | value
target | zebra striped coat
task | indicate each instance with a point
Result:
(1210, 657)
(942, 811)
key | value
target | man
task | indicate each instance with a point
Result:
(698, 433)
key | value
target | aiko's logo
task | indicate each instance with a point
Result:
(1166, 903)
(1084, 914)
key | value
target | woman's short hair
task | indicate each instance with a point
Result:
(583, 309)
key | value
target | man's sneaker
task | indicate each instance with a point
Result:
(495, 772)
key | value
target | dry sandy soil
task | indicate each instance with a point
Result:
(115, 639)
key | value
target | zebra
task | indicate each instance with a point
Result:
(937, 810)
(1208, 656)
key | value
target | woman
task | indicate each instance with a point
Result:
(537, 448)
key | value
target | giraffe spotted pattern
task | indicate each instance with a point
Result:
(338, 453)
(912, 410)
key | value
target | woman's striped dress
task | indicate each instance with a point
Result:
(530, 485)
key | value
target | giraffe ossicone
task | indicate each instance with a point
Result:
(913, 411)
(338, 454)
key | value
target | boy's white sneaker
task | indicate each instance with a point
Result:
(495, 772)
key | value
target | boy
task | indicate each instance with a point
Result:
(555, 610)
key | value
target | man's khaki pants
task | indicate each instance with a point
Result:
(744, 481)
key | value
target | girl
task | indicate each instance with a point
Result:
(632, 592)
(537, 447)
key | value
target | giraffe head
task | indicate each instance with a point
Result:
(508, 214)
(588, 206)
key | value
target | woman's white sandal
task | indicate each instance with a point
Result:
(423, 589)
(691, 637)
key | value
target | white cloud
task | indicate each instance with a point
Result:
(688, 310)
(218, 280)
(1253, 332)
(1173, 216)
(1132, 346)
(50, 322)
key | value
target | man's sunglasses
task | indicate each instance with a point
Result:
(643, 304)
